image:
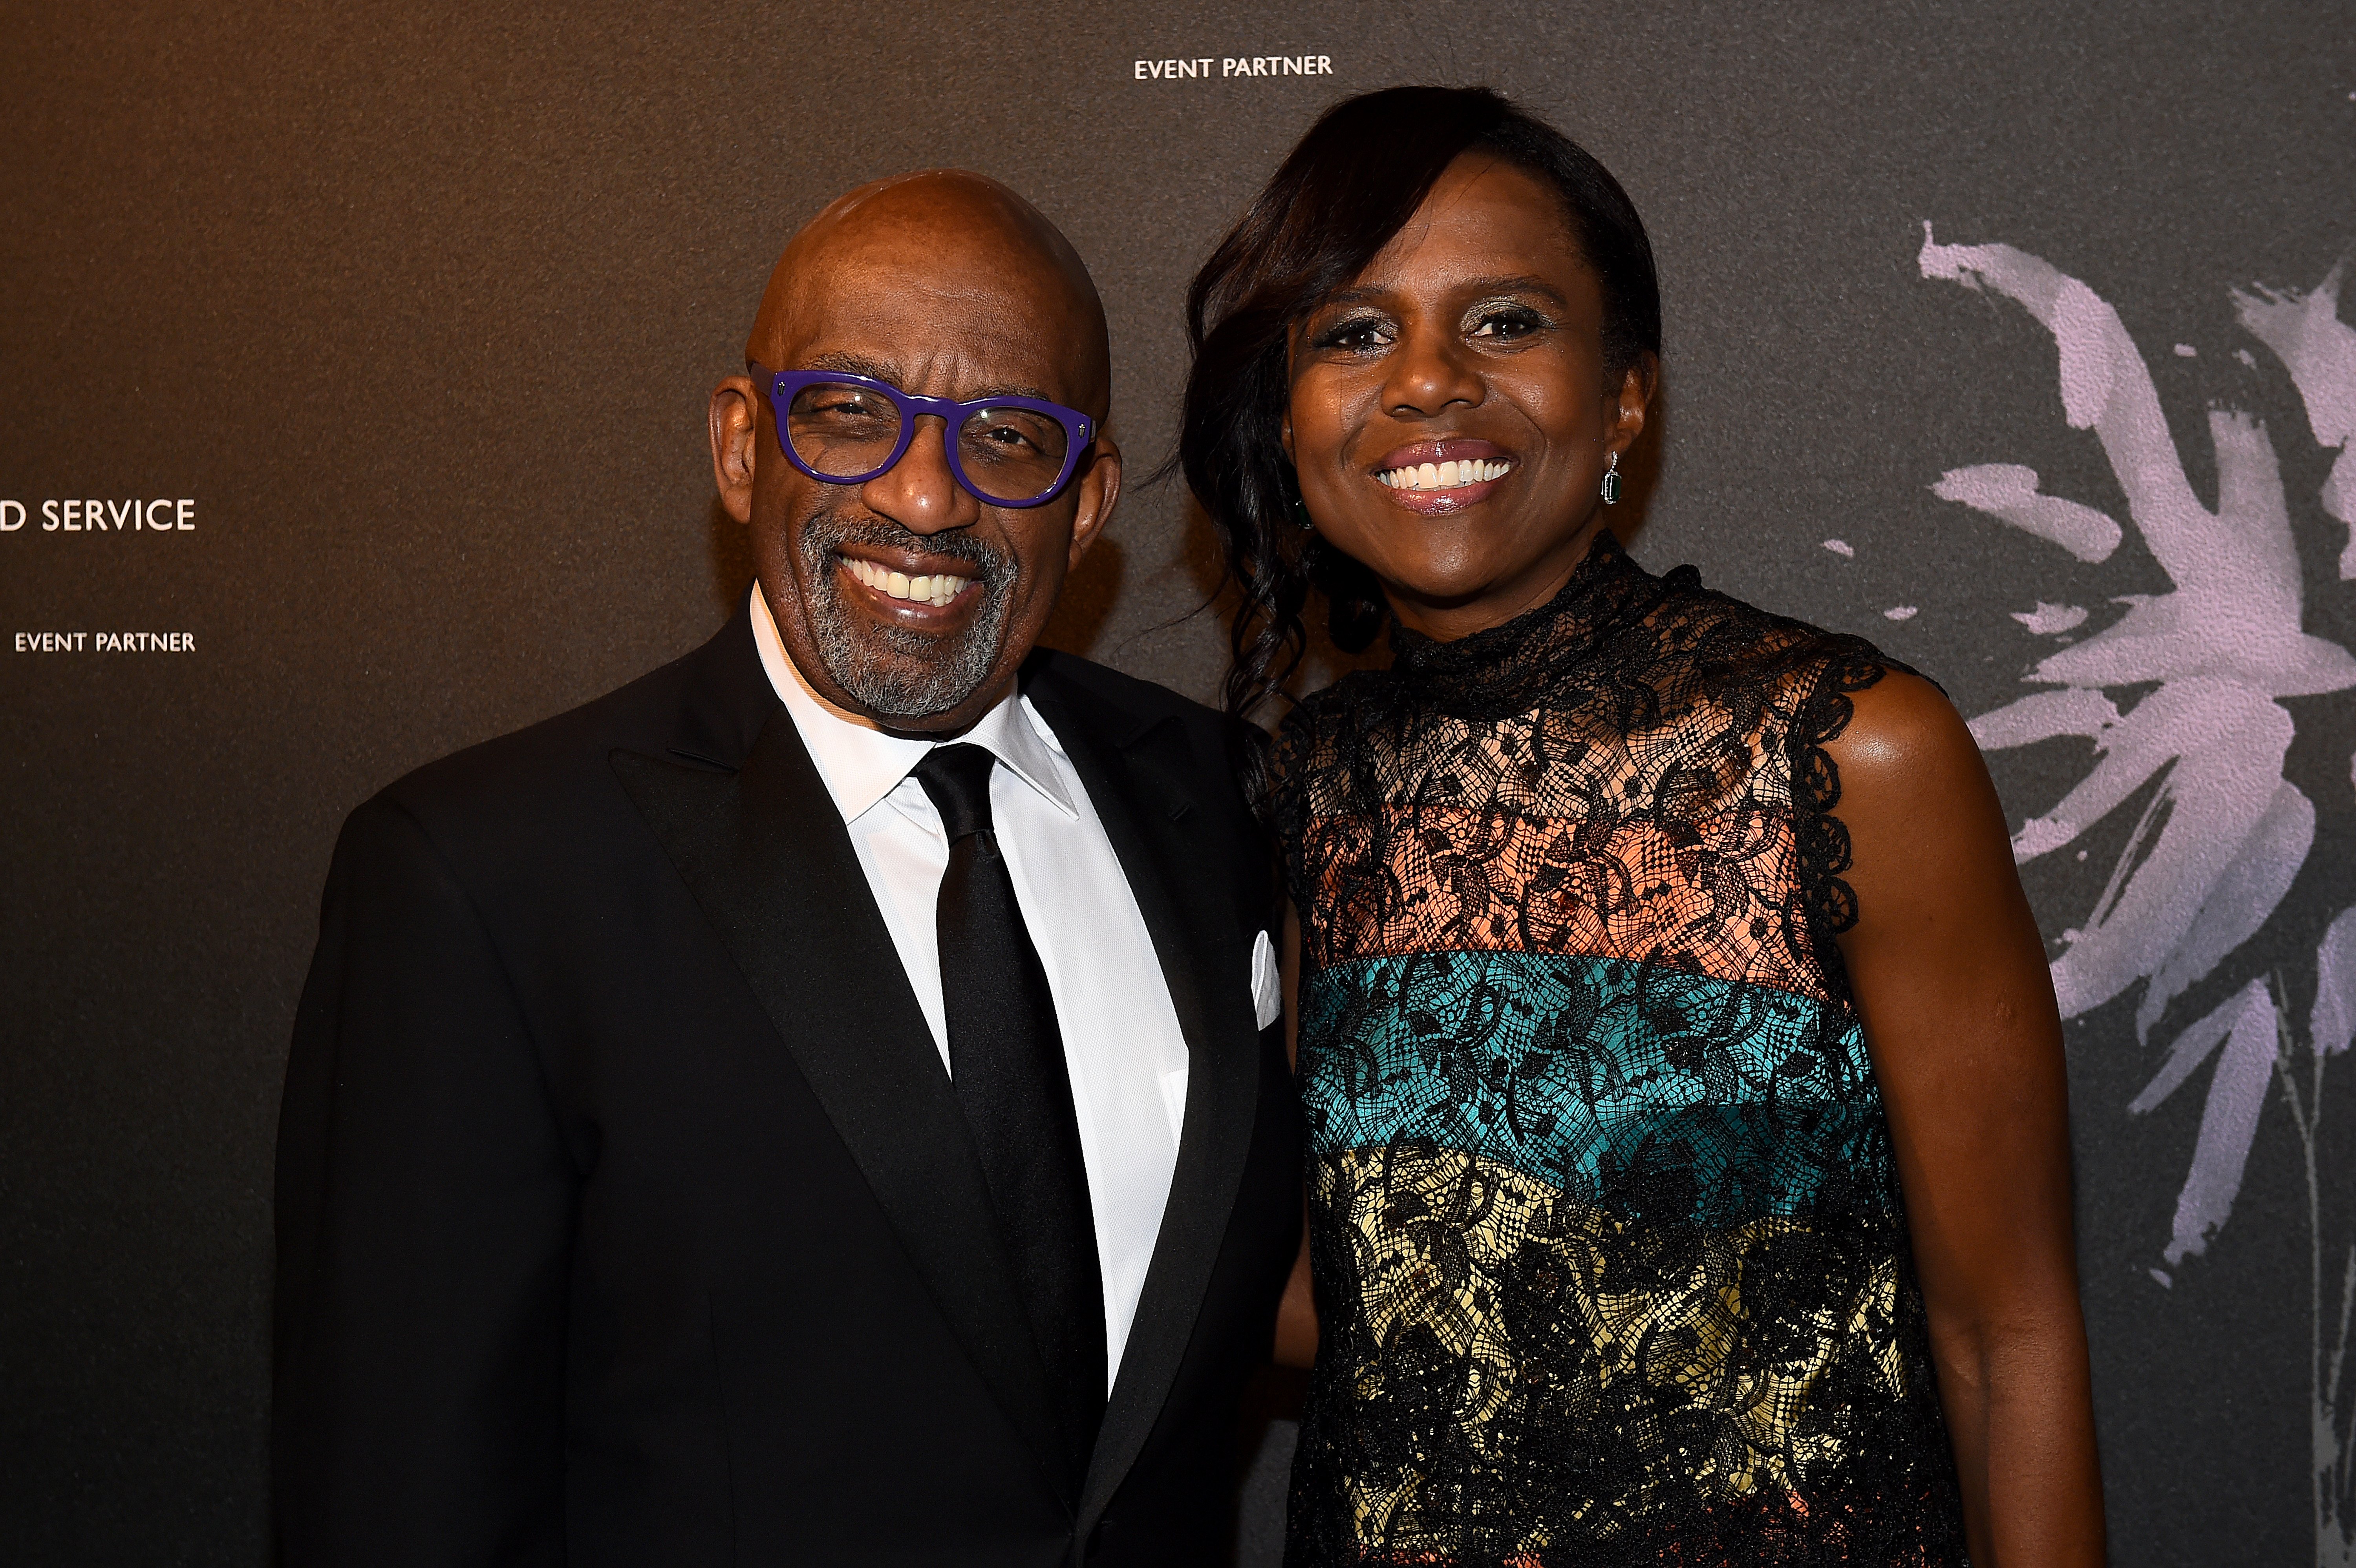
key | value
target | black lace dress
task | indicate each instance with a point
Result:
(1607, 1237)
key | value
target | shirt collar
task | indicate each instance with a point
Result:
(862, 765)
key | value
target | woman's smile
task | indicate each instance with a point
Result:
(1449, 475)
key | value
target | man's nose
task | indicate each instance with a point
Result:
(918, 492)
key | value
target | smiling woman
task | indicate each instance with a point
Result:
(1287, 321)
(1468, 356)
(1688, 1168)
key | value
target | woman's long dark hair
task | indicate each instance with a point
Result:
(1356, 180)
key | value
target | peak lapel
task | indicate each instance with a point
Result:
(764, 852)
(1207, 969)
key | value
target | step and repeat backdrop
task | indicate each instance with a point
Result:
(353, 364)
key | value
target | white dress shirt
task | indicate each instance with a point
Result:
(1121, 1041)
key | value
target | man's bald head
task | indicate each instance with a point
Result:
(907, 598)
(946, 234)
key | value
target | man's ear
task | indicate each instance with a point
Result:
(735, 432)
(1099, 489)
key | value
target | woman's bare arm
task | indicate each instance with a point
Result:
(1951, 982)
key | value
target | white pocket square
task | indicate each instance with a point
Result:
(1267, 987)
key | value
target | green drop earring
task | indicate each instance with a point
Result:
(1611, 481)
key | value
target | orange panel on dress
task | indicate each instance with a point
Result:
(1426, 879)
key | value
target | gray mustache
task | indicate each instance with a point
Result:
(830, 530)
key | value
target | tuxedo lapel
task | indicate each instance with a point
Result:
(1207, 968)
(763, 850)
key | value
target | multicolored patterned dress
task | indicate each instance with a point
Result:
(1607, 1237)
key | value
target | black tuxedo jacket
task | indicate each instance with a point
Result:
(625, 1215)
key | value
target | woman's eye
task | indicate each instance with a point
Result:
(1507, 325)
(1365, 332)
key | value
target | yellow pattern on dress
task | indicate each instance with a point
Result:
(1434, 1231)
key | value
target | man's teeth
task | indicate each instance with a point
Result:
(1444, 476)
(938, 589)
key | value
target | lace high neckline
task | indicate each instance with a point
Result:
(1500, 667)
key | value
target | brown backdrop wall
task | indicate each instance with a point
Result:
(419, 304)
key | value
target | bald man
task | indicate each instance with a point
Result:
(823, 1102)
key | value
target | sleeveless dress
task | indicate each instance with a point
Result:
(1605, 1229)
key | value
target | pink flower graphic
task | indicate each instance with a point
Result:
(2225, 832)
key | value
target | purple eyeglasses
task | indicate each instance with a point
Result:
(842, 429)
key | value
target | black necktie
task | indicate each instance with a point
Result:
(1006, 1060)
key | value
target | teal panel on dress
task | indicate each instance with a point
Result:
(1670, 1096)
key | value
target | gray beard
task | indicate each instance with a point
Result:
(892, 672)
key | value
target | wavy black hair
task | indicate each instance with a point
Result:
(1354, 181)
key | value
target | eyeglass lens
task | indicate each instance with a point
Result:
(845, 432)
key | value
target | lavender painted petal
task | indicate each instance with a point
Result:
(2185, 717)
(2105, 384)
(2317, 349)
(2188, 1051)
(2237, 613)
(2050, 620)
(2227, 745)
(2252, 560)
(2229, 1121)
(2112, 779)
(2042, 716)
(2008, 491)
(2332, 1025)
(2229, 1125)
(2254, 880)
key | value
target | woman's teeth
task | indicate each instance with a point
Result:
(1444, 476)
(935, 590)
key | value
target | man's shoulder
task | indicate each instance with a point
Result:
(536, 779)
(1116, 700)
(528, 757)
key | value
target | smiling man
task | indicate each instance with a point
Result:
(822, 1102)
